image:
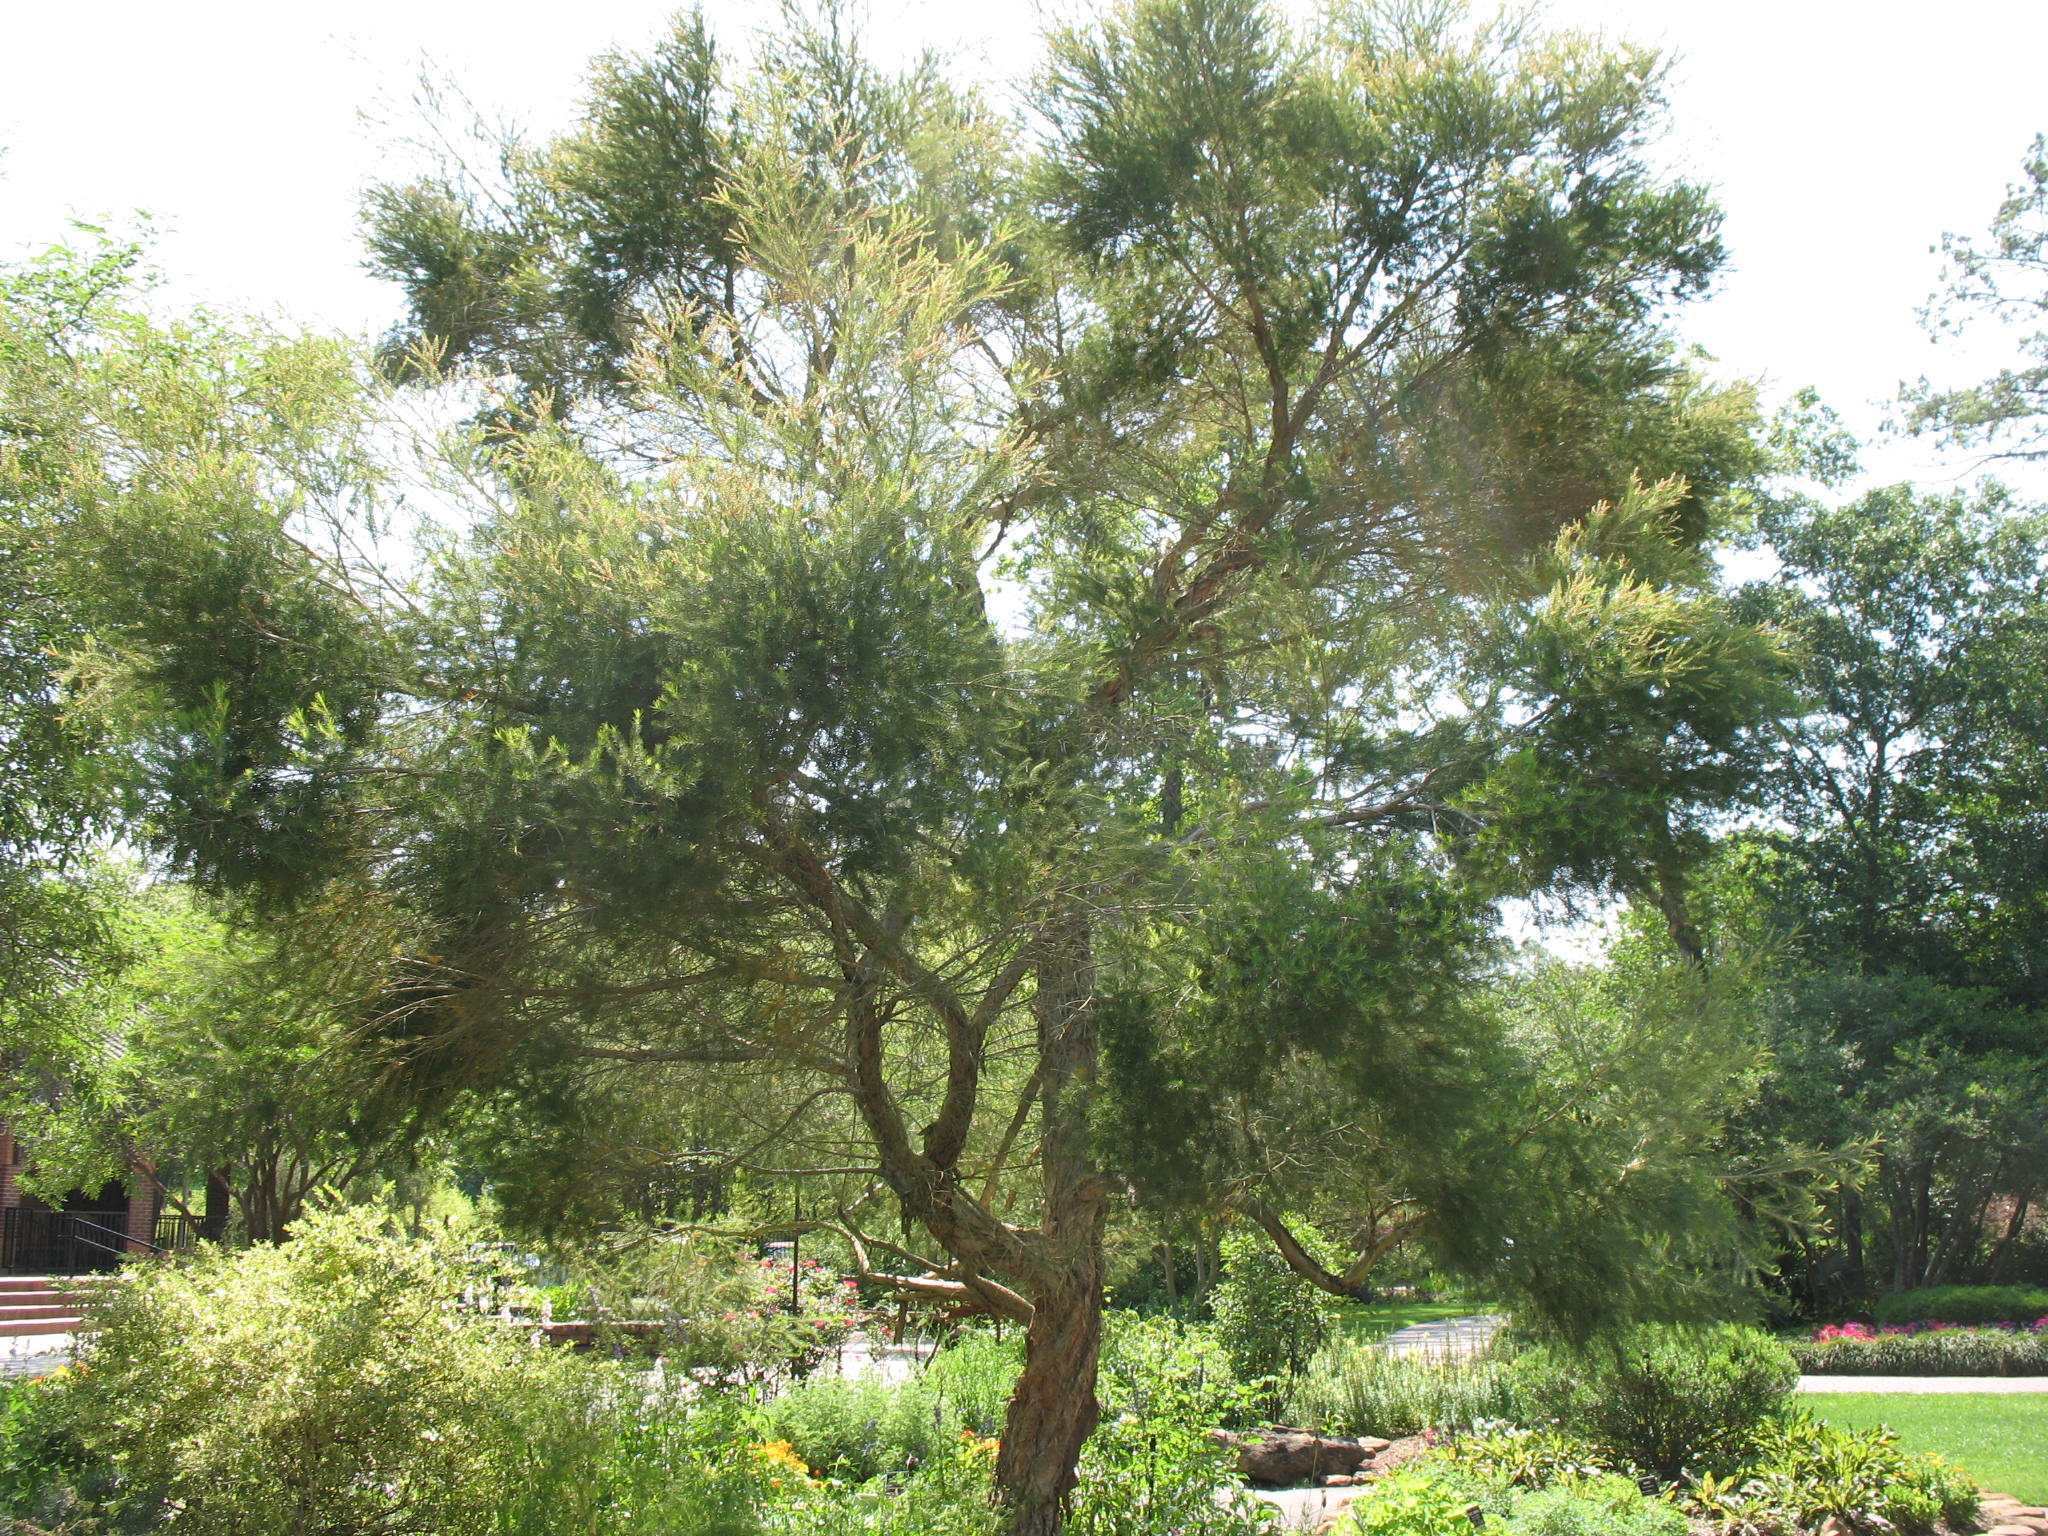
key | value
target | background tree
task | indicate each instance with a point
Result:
(2003, 278)
(1909, 868)
(226, 1052)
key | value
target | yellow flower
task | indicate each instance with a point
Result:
(780, 1453)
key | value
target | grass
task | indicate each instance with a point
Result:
(1999, 1438)
(1362, 1323)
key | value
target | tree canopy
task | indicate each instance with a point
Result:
(914, 605)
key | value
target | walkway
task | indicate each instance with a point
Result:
(36, 1354)
(1923, 1383)
(1450, 1338)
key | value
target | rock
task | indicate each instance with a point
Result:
(1341, 1480)
(1283, 1456)
(2012, 1528)
(1406, 1449)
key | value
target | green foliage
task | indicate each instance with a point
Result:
(1602, 1505)
(1269, 1320)
(1999, 279)
(1410, 1503)
(1903, 883)
(1964, 1304)
(723, 1314)
(1351, 1389)
(1659, 1396)
(1797, 1473)
(864, 1428)
(1943, 1352)
(1506, 1457)
(1156, 1473)
(328, 1378)
(45, 1473)
(1999, 1439)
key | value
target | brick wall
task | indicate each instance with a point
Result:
(10, 1170)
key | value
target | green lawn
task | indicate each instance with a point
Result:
(1362, 1324)
(1999, 1438)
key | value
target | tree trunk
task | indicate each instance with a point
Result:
(1054, 1409)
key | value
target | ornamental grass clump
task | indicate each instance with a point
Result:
(1353, 1389)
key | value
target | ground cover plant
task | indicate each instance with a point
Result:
(1999, 1439)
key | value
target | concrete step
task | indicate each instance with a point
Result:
(31, 1327)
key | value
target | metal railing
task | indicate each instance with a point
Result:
(81, 1242)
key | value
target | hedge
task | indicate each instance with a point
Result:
(1946, 1352)
(1964, 1304)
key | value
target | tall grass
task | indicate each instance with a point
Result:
(1364, 1391)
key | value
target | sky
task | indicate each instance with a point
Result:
(1843, 140)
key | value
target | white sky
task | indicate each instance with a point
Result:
(1843, 139)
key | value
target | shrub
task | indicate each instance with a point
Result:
(861, 1429)
(1358, 1390)
(1163, 1369)
(974, 1377)
(1506, 1457)
(1601, 1505)
(1269, 1320)
(44, 1470)
(1797, 1473)
(1660, 1396)
(327, 1383)
(724, 1314)
(1964, 1304)
(1939, 1352)
(1409, 1503)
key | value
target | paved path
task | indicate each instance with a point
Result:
(1923, 1383)
(894, 1363)
(1302, 1509)
(35, 1354)
(1452, 1338)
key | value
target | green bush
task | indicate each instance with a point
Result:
(1947, 1352)
(1355, 1389)
(863, 1428)
(1797, 1473)
(1269, 1320)
(1507, 1457)
(1162, 1368)
(1602, 1505)
(331, 1383)
(1410, 1503)
(44, 1470)
(974, 1377)
(1964, 1304)
(1658, 1396)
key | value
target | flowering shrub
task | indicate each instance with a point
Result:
(1924, 1349)
(1923, 1325)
